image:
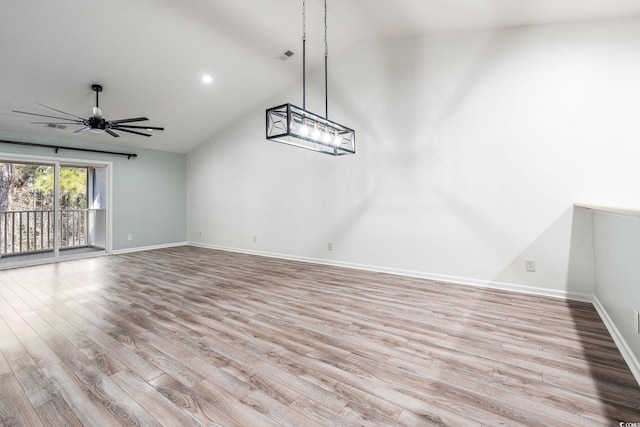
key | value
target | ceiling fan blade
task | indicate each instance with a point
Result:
(132, 131)
(137, 119)
(59, 111)
(81, 129)
(138, 127)
(112, 133)
(50, 117)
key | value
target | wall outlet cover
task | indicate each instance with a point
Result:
(530, 265)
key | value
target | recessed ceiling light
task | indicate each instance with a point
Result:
(207, 79)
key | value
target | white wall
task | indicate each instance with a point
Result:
(471, 150)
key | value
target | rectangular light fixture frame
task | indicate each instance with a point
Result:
(295, 126)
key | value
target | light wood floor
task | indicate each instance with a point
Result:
(189, 336)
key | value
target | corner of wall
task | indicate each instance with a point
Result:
(621, 343)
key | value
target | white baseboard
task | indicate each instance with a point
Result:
(418, 274)
(621, 343)
(148, 248)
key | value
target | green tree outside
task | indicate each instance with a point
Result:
(31, 187)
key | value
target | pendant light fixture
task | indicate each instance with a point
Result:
(296, 126)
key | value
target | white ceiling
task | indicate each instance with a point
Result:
(150, 55)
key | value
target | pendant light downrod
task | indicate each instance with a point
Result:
(326, 67)
(304, 55)
(296, 126)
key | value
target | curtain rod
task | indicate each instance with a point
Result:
(58, 147)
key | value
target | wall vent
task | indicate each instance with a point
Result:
(55, 126)
(285, 55)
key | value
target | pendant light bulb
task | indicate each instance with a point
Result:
(336, 138)
(326, 135)
(316, 132)
(304, 128)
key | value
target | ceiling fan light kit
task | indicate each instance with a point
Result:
(296, 126)
(96, 123)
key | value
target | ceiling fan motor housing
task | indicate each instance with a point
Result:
(97, 123)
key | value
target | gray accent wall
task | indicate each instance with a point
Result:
(149, 199)
(616, 243)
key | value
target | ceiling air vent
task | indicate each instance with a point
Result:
(55, 126)
(285, 55)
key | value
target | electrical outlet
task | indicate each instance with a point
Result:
(636, 321)
(530, 265)
(200, 234)
(330, 246)
(255, 239)
(129, 236)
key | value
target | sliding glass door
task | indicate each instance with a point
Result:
(51, 211)
(27, 211)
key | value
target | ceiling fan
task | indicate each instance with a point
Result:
(96, 123)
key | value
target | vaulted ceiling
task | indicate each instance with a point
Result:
(150, 55)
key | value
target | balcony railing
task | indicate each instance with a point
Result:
(23, 232)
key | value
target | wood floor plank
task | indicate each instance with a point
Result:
(276, 411)
(51, 313)
(87, 407)
(164, 411)
(196, 406)
(191, 336)
(15, 407)
(49, 348)
(121, 405)
(51, 408)
(108, 353)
